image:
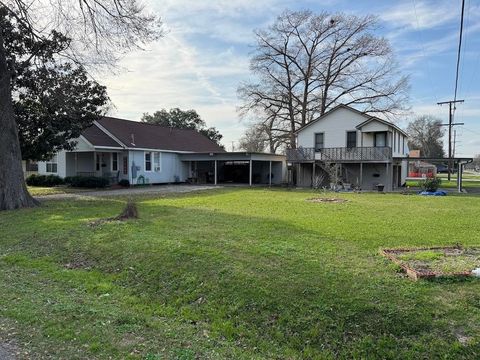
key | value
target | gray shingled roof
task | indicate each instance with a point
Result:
(134, 134)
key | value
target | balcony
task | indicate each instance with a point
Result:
(341, 154)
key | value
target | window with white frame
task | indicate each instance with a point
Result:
(319, 141)
(156, 161)
(148, 161)
(114, 161)
(51, 165)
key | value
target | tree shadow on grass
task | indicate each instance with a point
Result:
(250, 281)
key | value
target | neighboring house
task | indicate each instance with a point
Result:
(345, 146)
(145, 153)
(29, 168)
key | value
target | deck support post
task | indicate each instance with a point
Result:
(250, 173)
(270, 173)
(313, 175)
(388, 178)
(361, 175)
(215, 173)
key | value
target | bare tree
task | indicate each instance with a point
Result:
(254, 139)
(99, 33)
(307, 63)
(425, 134)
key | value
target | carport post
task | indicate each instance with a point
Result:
(215, 173)
(270, 174)
(250, 174)
(459, 176)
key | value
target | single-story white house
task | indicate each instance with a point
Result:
(145, 153)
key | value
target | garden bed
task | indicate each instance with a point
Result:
(434, 262)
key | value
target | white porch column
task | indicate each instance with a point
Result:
(250, 174)
(270, 174)
(215, 173)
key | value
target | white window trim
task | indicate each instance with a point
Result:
(315, 140)
(111, 161)
(145, 161)
(52, 161)
(159, 162)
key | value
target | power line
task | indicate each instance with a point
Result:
(459, 50)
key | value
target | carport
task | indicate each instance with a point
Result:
(236, 168)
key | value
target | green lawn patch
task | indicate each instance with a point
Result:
(236, 274)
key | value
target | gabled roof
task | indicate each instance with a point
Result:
(97, 137)
(113, 132)
(367, 117)
(388, 123)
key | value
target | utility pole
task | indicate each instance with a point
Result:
(451, 124)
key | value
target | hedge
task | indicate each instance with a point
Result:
(86, 181)
(44, 180)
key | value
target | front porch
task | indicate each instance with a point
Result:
(110, 164)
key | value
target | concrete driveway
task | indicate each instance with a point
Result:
(154, 190)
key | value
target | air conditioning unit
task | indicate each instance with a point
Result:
(157, 168)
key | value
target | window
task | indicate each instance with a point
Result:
(51, 165)
(351, 139)
(125, 165)
(114, 161)
(380, 139)
(97, 162)
(319, 141)
(156, 161)
(148, 161)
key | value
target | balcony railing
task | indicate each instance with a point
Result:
(340, 154)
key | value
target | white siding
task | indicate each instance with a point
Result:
(171, 168)
(335, 126)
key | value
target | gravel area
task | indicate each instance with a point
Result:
(154, 189)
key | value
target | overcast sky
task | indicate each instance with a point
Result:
(204, 56)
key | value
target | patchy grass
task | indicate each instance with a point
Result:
(44, 191)
(236, 274)
(441, 260)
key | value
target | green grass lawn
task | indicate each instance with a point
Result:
(236, 274)
(44, 191)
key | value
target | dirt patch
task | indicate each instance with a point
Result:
(434, 262)
(79, 262)
(327, 200)
(8, 351)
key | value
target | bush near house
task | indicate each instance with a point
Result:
(86, 181)
(124, 183)
(44, 180)
(431, 184)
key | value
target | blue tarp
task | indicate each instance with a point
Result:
(433, 193)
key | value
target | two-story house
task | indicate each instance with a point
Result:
(346, 147)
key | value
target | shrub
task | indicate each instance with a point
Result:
(86, 181)
(44, 180)
(124, 183)
(431, 184)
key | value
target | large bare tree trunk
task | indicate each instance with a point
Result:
(13, 192)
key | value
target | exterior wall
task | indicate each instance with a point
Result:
(61, 165)
(171, 168)
(335, 126)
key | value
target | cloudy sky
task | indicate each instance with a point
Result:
(204, 56)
